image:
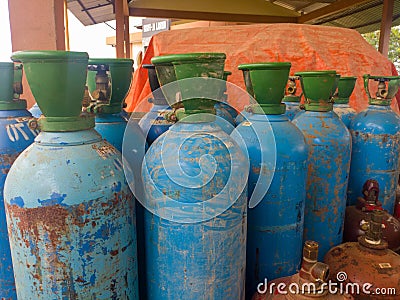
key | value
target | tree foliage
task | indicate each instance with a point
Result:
(394, 44)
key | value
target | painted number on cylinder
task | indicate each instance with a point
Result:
(14, 132)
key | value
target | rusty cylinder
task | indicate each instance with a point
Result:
(368, 265)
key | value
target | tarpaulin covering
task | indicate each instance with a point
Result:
(307, 47)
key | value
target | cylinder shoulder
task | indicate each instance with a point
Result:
(65, 174)
(376, 121)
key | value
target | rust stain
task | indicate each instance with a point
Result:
(105, 150)
(54, 224)
(6, 160)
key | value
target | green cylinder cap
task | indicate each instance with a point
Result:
(7, 101)
(224, 96)
(317, 88)
(226, 74)
(335, 85)
(198, 96)
(266, 83)
(207, 66)
(120, 76)
(345, 89)
(166, 74)
(57, 81)
(385, 92)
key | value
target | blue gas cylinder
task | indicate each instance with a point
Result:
(35, 111)
(224, 118)
(376, 144)
(231, 110)
(275, 224)
(224, 103)
(154, 123)
(341, 100)
(345, 113)
(195, 187)
(15, 136)
(292, 109)
(328, 162)
(189, 260)
(112, 128)
(109, 81)
(70, 213)
(242, 116)
(224, 111)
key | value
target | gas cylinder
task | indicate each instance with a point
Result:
(291, 100)
(108, 81)
(376, 139)
(309, 283)
(367, 265)
(195, 193)
(357, 217)
(341, 99)
(223, 109)
(153, 124)
(35, 111)
(230, 109)
(70, 214)
(328, 161)
(15, 137)
(275, 224)
(242, 116)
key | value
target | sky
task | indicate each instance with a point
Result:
(91, 39)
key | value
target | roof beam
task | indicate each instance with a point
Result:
(208, 16)
(333, 8)
(386, 26)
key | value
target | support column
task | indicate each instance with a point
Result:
(386, 26)
(119, 18)
(36, 25)
(126, 37)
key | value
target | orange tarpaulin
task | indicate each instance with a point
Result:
(307, 47)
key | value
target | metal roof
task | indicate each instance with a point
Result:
(90, 12)
(363, 16)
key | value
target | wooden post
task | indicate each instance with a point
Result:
(119, 18)
(386, 26)
(36, 25)
(126, 37)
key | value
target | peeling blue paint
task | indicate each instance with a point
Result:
(55, 198)
(17, 201)
(15, 136)
(68, 241)
(204, 259)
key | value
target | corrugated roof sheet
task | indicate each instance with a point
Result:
(363, 18)
(90, 12)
